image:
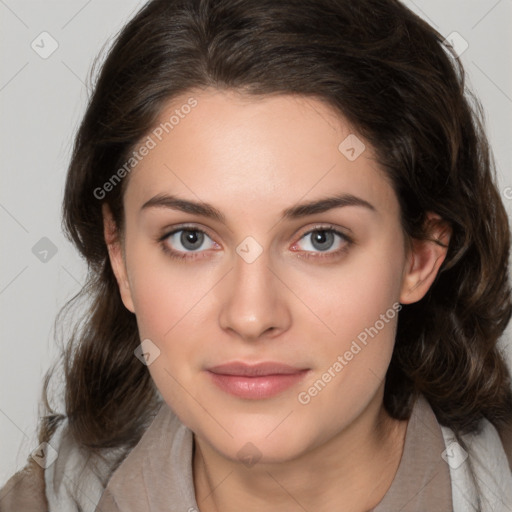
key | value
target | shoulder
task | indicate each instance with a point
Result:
(71, 480)
(25, 490)
(78, 476)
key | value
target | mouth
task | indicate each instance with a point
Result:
(256, 382)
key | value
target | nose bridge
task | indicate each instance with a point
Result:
(253, 303)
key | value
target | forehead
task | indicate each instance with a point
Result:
(243, 151)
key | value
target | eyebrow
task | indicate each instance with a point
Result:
(294, 212)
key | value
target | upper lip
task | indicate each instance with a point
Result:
(254, 370)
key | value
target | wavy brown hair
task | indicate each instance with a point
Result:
(391, 76)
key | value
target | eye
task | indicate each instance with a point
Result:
(191, 242)
(323, 240)
(181, 242)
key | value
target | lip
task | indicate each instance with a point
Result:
(256, 382)
(255, 370)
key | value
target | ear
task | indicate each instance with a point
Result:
(117, 261)
(424, 259)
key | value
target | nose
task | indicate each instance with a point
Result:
(253, 300)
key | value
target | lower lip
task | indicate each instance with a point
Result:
(256, 388)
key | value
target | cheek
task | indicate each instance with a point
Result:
(351, 297)
(174, 311)
(352, 363)
(169, 311)
(165, 295)
(358, 305)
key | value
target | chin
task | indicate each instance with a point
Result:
(255, 445)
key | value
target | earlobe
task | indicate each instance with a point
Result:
(425, 259)
(114, 246)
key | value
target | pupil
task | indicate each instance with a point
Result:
(323, 240)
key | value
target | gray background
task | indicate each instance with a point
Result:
(42, 101)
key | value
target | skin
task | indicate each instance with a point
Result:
(251, 158)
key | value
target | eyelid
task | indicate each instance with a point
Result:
(326, 226)
(317, 227)
(167, 232)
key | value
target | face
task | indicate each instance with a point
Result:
(251, 235)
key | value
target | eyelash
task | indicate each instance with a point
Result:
(178, 255)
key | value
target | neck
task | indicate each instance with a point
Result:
(355, 468)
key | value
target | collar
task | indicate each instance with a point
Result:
(158, 471)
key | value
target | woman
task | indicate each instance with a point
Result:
(297, 272)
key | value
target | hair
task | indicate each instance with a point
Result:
(391, 76)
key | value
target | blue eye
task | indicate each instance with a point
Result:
(181, 242)
(192, 243)
(324, 240)
(320, 240)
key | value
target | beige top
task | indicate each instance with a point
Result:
(157, 474)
